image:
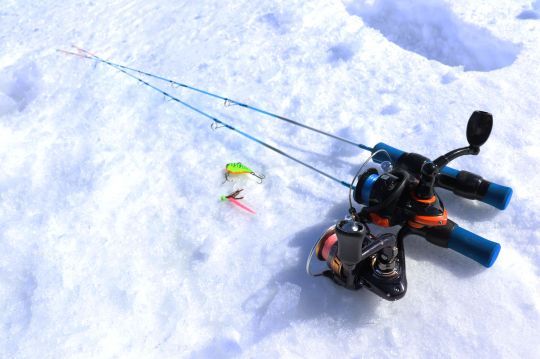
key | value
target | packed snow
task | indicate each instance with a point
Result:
(114, 242)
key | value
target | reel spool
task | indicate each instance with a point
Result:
(356, 258)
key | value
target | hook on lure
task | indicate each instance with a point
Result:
(238, 168)
(234, 199)
(234, 195)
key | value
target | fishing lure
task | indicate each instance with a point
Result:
(238, 168)
(234, 199)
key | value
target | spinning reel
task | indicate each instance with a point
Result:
(402, 193)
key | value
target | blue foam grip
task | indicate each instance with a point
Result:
(394, 153)
(497, 195)
(473, 246)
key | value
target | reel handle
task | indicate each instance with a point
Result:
(462, 241)
(462, 183)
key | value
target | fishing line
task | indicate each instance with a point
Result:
(227, 101)
(88, 55)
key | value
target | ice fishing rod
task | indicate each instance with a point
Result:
(214, 119)
(226, 100)
(464, 183)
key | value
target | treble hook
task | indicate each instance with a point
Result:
(260, 177)
(235, 194)
(226, 178)
(234, 199)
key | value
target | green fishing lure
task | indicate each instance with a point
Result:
(237, 168)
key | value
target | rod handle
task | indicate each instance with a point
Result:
(474, 246)
(462, 183)
(462, 241)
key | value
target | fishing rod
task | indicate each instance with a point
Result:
(401, 193)
(214, 119)
(225, 99)
(485, 191)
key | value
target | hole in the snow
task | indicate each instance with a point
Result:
(430, 29)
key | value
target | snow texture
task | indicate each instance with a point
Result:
(113, 241)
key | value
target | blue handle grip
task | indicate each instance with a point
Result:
(473, 246)
(394, 153)
(496, 195)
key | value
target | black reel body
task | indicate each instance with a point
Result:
(401, 192)
(357, 259)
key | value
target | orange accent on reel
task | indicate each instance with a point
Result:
(415, 225)
(427, 201)
(431, 221)
(378, 220)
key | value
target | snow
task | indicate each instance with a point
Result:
(113, 241)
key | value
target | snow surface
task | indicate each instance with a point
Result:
(113, 241)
